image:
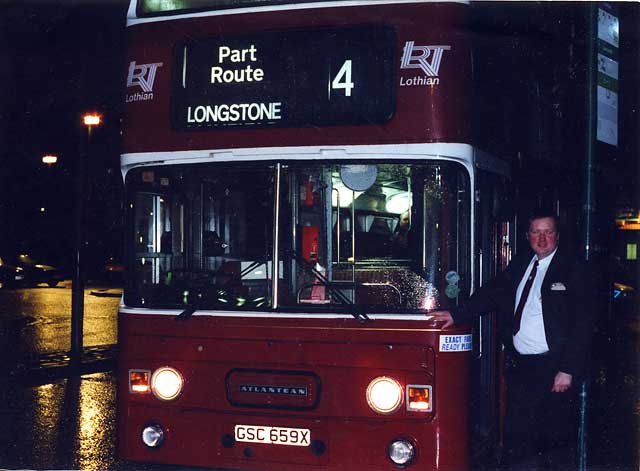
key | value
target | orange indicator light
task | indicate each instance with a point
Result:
(139, 381)
(419, 398)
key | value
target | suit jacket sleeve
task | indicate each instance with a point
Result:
(489, 297)
(577, 348)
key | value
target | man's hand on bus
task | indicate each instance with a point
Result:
(442, 316)
(561, 382)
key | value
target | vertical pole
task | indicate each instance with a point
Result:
(591, 110)
(77, 294)
(582, 429)
(275, 271)
(588, 209)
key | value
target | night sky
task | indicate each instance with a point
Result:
(58, 59)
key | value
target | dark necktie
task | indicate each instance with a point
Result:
(523, 298)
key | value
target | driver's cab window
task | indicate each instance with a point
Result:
(202, 236)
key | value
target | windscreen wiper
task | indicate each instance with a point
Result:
(187, 313)
(357, 313)
(193, 307)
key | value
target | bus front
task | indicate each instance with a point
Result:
(293, 212)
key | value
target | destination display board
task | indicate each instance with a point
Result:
(297, 78)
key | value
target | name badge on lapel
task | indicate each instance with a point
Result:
(558, 286)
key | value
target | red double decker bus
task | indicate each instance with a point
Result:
(302, 188)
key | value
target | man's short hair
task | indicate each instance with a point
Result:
(541, 214)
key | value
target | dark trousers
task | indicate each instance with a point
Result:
(540, 425)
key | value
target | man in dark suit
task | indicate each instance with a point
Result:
(544, 316)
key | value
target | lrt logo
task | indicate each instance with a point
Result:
(425, 58)
(143, 76)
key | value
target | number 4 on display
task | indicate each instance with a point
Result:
(343, 79)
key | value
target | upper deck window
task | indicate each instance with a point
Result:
(163, 7)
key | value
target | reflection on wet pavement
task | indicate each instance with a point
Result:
(70, 423)
(96, 423)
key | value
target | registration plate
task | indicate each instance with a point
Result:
(273, 435)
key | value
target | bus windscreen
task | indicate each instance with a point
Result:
(379, 237)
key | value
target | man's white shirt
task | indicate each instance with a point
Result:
(531, 339)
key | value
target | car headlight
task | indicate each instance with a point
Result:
(166, 383)
(384, 395)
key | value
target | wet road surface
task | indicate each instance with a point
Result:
(614, 401)
(38, 320)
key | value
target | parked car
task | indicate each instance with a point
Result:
(113, 270)
(10, 275)
(36, 273)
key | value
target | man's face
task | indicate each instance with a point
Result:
(543, 236)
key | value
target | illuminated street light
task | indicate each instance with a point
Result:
(49, 159)
(91, 119)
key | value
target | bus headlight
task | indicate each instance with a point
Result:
(384, 395)
(401, 452)
(166, 383)
(152, 436)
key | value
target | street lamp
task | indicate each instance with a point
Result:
(89, 120)
(49, 159)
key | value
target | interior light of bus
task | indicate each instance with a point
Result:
(139, 381)
(419, 398)
(164, 5)
(343, 195)
(384, 395)
(166, 383)
(399, 203)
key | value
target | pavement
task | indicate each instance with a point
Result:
(48, 366)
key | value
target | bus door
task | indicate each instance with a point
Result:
(493, 254)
